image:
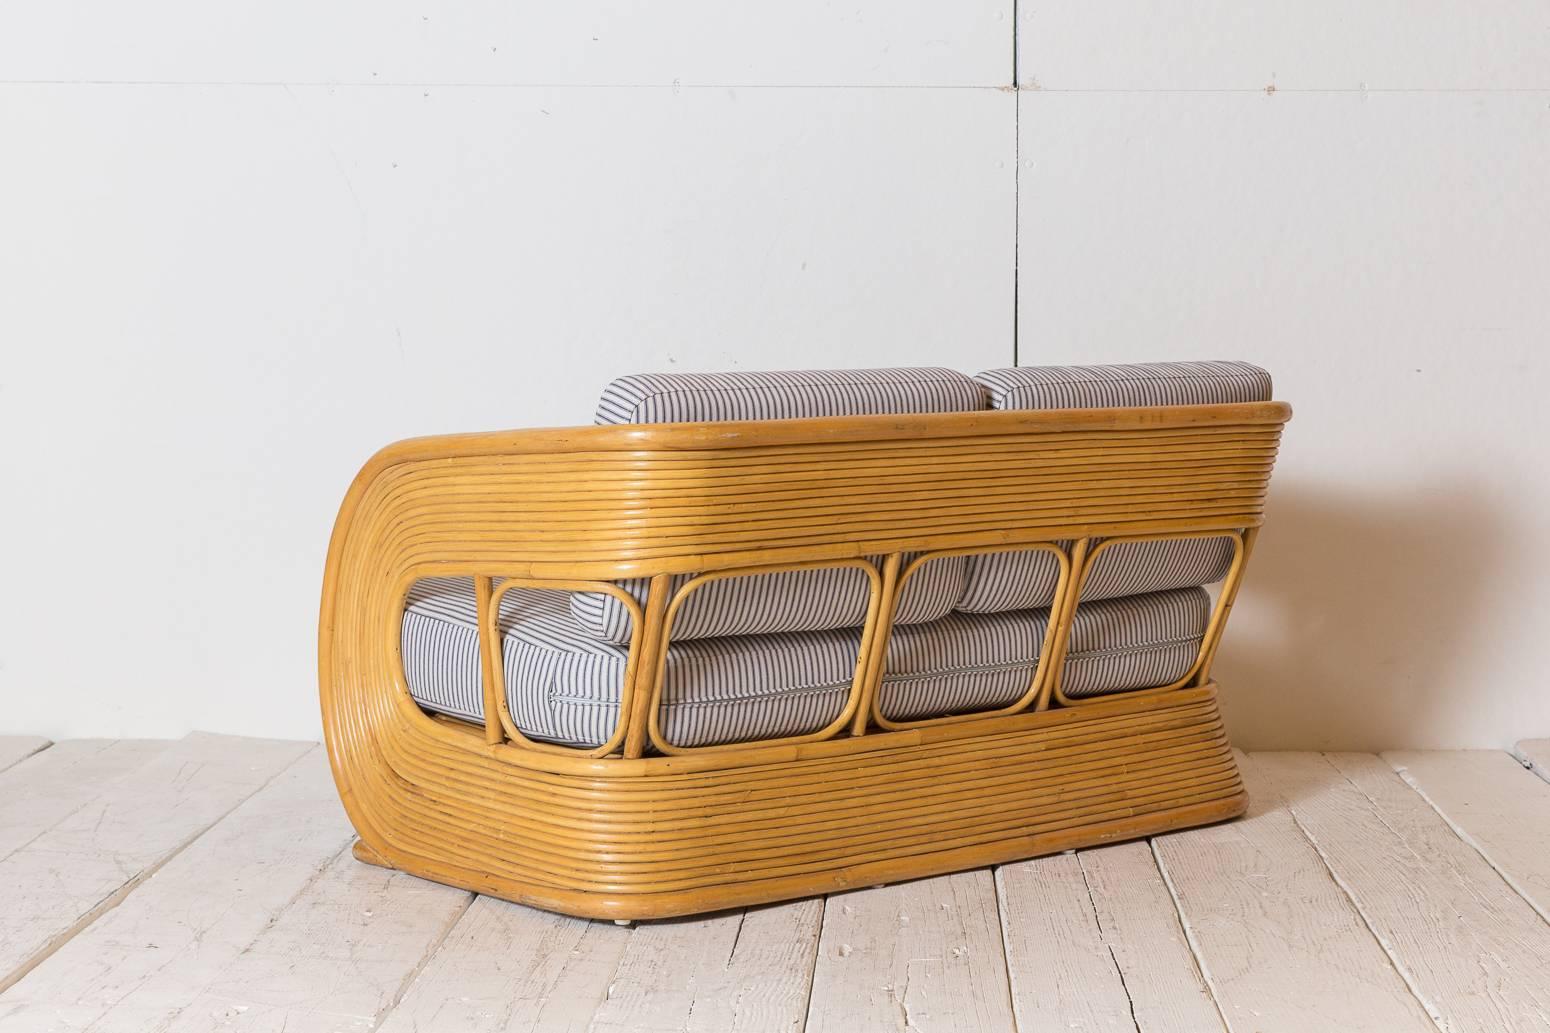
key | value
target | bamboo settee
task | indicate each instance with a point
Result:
(640, 826)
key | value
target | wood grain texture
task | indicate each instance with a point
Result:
(14, 748)
(141, 964)
(81, 867)
(743, 972)
(506, 968)
(1495, 805)
(1060, 969)
(1281, 946)
(923, 955)
(1141, 925)
(47, 788)
(1472, 950)
(334, 961)
(1093, 942)
(263, 923)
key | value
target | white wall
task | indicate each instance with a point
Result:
(1376, 231)
(243, 245)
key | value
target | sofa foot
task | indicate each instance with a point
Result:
(626, 922)
(366, 855)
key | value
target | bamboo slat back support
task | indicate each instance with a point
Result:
(581, 508)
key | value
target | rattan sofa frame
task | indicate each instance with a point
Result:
(641, 828)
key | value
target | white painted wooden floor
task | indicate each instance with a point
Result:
(206, 884)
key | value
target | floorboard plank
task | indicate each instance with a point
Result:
(744, 971)
(48, 787)
(205, 885)
(1061, 972)
(1535, 754)
(1280, 944)
(924, 955)
(505, 968)
(15, 748)
(335, 961)
(1093, 942)
(1473, 950)
(64, 878)
(139, 965)
(1493, 803)
(1141, 926)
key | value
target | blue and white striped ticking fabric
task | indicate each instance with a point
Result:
(563, 685)
(1135, 641)
(805, 600)
(785, 395)
(1016, 580)
(1025, 580)
(790, 600)
(1116, 645)
(1145, 383)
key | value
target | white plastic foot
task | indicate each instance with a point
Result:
(623, 921)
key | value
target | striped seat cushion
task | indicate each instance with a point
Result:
(806, 600)
(1016, 580)
(563, 685)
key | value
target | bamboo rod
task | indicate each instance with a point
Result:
(876, 648)
(1224, 606)
(489, 659)
(651, 645)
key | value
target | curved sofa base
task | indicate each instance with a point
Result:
(664, 840)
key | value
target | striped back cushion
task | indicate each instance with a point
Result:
(793, 600)
(1000, 581)
(1016, 580)
(1146, 383)
(804, 600)
(785, 395)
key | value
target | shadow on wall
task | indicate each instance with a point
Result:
(1353, 627)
